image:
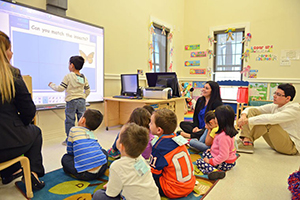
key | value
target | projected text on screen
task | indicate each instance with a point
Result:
(42, 45)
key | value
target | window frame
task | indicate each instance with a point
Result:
(220, 31)
(167, 30)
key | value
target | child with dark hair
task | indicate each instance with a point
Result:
(85, 159)
(170, 161)
(77, 89)
(211, 127)
(222, 155)
(149, 108)
(130, 176)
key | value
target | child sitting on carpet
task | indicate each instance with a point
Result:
(170, 161)
(222, 155)
(85, 158)
(130, 175)
(140, 116)
(207, 138)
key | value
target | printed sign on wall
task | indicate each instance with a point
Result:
(198, 54)
(197, 71)
(261, 48)
(192, 63)
(253, 73)
(266, 57)
(192, 47)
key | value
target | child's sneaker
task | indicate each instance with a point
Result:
(112, 153)
(216, 175)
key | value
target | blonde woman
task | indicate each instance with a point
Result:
(17, 136)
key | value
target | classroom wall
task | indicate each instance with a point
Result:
(126, 25)
(271, 22)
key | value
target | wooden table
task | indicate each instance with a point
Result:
(117, 110)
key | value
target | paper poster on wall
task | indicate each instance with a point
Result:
(258, 91)
(253, 73)
(198, 85)
(261, 49)
(197, 71)
(273, 88)
(285, 61)
(198, 54)
(266, 57)
(192, 47)
(192, 63)
(290, 54)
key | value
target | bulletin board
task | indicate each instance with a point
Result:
(258, 91)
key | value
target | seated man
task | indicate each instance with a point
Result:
(278, 123)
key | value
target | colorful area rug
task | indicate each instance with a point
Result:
(60, 186)
(189, 116)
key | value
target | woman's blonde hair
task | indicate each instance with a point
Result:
(7, 87)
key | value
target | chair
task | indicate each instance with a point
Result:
(26, 171)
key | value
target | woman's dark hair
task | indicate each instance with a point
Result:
(225, 116)
(289, 90)
(214, 96)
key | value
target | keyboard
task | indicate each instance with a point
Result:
(126, 97)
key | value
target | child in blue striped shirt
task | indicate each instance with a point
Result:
(85, 159)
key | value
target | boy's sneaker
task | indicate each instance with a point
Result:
(242, 148)
(216, 175)
(112, 153)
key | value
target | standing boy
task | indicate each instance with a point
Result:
(170, 161)
(130, 175)
(77, 89)
(85, 159)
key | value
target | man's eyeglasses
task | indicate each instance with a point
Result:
(278, 94)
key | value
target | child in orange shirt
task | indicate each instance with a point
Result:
(170, 161)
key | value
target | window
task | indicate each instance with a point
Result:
(160, 44)
(227, 62)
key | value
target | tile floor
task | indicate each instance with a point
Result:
(262, 175)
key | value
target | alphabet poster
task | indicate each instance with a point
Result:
(192, 47)
(197, 71)
(198, 54)
(192, 63)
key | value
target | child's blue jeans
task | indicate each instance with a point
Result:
(200, 144)
(75, 106)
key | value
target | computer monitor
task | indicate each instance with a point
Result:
(164, 79)
(129, 84)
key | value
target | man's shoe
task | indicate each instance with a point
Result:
(242, 148)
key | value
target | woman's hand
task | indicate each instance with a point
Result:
(196, 129)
